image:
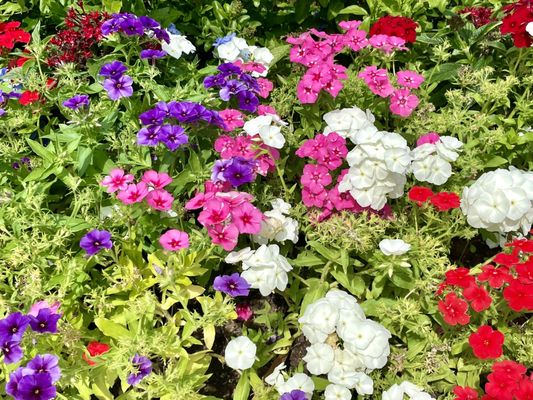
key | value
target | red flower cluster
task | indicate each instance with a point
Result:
(517, 17)
(479, 16)
(95, 349)
(29, 97)
(76, 44)
(442, 201)
(10, 34)
(401, 27)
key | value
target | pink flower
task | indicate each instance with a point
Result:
(156, 180)
(341, 201)
(232, 119)
(315, 177)
(134, 193)
(318, 74)
(214, 213)
(116, 180)
(244, 311)
(430, 137)
(372, 73)
(311, 199)
(247, 218)
(264, 110)
(160, 199)
(356, 39)
(333, 87)
(244, 147)
(409, 79)
(402, 102)
(307, 91)
(225, 145)
(346, 25)
(224, 235)
(265, 87)
(235, 199)
(35, 308)
(381, 86)
(174, 240)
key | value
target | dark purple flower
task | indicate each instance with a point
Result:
(45, 364)
(248, 101)
(110, 26)
(214, 81)
(142, 366)
(233, 285)
(164, 107)
(13, 326)
(45, 321)
(36, 387)
(154, 116)
(173, 136)
(149, 23)
(152, 54)
(113, 70)
(131, 26)
(250, 81)
(2, 112)
(240, 171)
(14, 379)
(15, 165)
(121, 87)
(25, 160)
(185, 111)
(212, 117)
(148, 136)
(229, 69)
(218, 170)
(12, 352)
(232, 88)
(161, 34)
(96, 240)
(78, 101)
(294, 395)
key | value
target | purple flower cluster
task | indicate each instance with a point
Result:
(233, 82)
(24, 161)
(294, 395)
(236, 170)
(132, 25)
(96, 240)
(143, 368)
(4, 97)
(77, 101)
(36, 380)
(155, 130)
(116, 84)
(233, 285)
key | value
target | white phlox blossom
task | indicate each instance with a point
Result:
(337, 392)
(413, 392)
(500, 201)
(394, 247)
(268, 128)
(277, 226)
(529, 28)
(349, 122)
(431, 161)
(378, 164)
(276, 378)
(264, 269)
(179, 44)
(298, 381)
(240, 353)
(237, 49)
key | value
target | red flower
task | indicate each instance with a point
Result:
(487, 343)
(9, 35)
(519, 296)
(509, 369)
(504, 380)
(465, 393)
(523, 244)
(478, 15)
(95, 349)
(454, 310)
(29, 97)
(445, 201)
(518, 16)
(506, 259)
(478, 297)
(420, 194)
(402, 27)
(525, 271)
(524, 390)
(496, 277)
(460, 277)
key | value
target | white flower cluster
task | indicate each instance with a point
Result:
(431, 161)
(236, 48)
(500, 201)
(378, 164)
(349, 122)
(264, 269)
(178, 45)
(365, 342)
(269, 129)
(396, 392)
(277, 225)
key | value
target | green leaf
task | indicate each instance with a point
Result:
(242, 391)
(41, 151)
(84, 159)
(112, 6)
(443, 72)
(356, 10)
(496, 161)
(112, 329)
(307, 259)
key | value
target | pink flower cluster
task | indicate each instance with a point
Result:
(226, 214)
(402, 101)
(150, 188)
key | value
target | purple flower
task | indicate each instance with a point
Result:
(78, 101)
(111, 25)
(214, 80)
(12, 327)
(152, 54)
(248, 101)
(96, 240)
(212, 117)
(229, 69)
(161, 34)
(148, 136)
(250, 81)
(12, 352)
(14, 379)
(131, 26)
(240, 171)
(173, 136)
(233, 285)
(185, 111)
(218, 170)
(143, 367)
(25, 160)
(154, 116)
(294, 395)
(121, 87)
(113, 70)
(2, 112)
(15, 165)
(35, 387)
(45, 364)
(232, 88)
(45, 321)
(164, 108)
(148, 23)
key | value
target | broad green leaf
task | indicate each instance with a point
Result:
(112, 329)
(356, 10)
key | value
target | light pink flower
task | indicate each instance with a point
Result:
(402, 102)
(134, 193)
(156, 180)
(174, 240)
(244, 147)
(430, 137)
(264, 110)
(265, 87)
(116, 180)
(232, 119)
(224, 235)
(160, 199)
(409, 79)
(35, 308)
(247, 218)
(225, 146)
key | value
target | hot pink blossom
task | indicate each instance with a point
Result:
(225, 146)
(232, 119)
(265, 87)
(430, 137)
(356, 39)
(409, 79)
(116, 180)
(315, 177)
(264, 110)
(224, 235)
(308, 91)
(372, 73)
(244, 311)
(346, 25)
(387, 44)
(160, 199)
(381, 86)
(244, 147)
(215, 212)
(247, 218)
(402, 102)
(311, 199)
(174, 240)
(156, 180)
(134, 193)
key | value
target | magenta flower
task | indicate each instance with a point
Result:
(224, 235)
(134, 193)
(402, 102)
(118, 88)
(96, 240)
(244, 311)
(308, 91)
(247, 218)
(116, 180)
(430, 137)
(232, 119)
(233, 285)
(215, 212)
(315, 178)
(156, 180)
(159, 199)
(372, 73)
(174, 240)
(381, 86)
(409, 79)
